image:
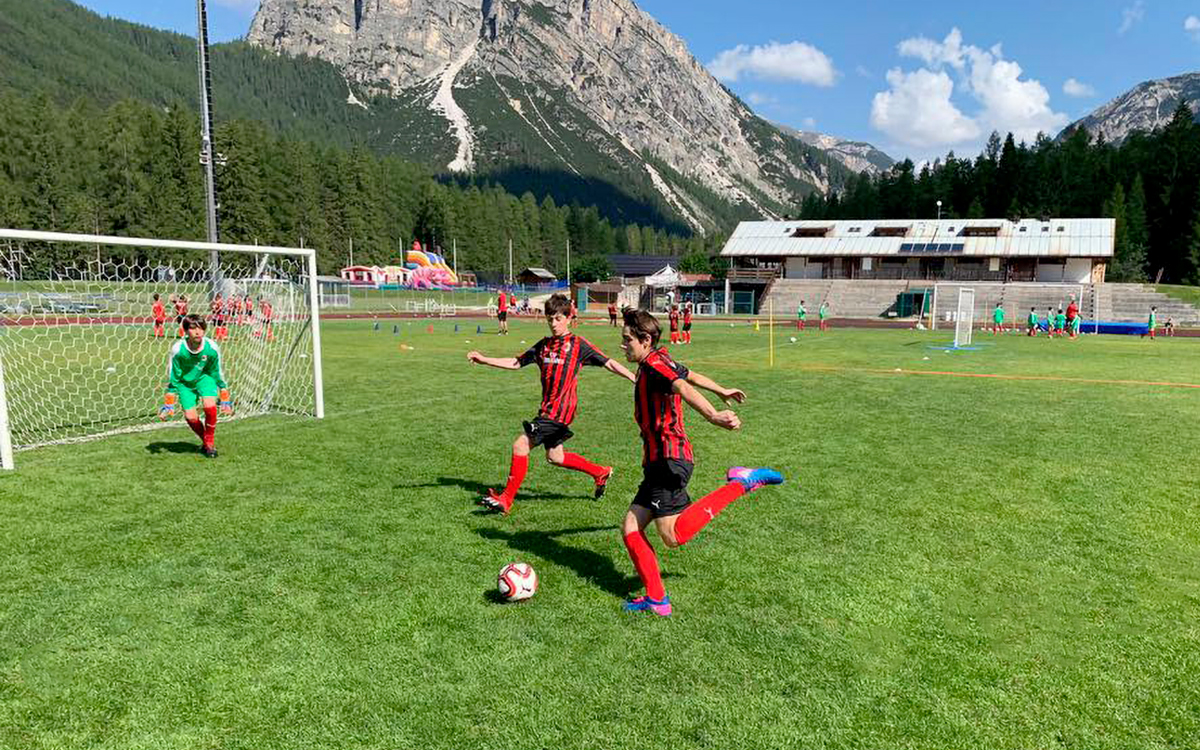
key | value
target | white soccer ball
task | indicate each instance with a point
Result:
(517, 581)
(792, 339)
(110, 369)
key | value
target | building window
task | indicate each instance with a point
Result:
(1022, 229)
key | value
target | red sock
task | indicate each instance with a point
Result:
(577, 462)
(646, 564)
(210, 425)
(697, 515)
(197, 427)
(516, 475)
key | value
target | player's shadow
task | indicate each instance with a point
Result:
(478, 489)
(175, 447)
(588, 565)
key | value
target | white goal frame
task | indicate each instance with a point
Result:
(308, 256)
(964, 318)
(943, 293)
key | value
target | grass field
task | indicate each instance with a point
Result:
(955, 561)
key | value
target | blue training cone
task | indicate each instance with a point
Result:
(456, 327)
(377, 325)
(395, 330)
(478, 329)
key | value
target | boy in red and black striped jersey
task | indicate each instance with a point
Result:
(560, 357)
(673, 317)
(661, 388)
(687, 322)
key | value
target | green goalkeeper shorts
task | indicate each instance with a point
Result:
(206, 387)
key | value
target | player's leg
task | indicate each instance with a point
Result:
(208, 390)
(645, 562)
(189, 401)
(518, 466)
(679, 529)
(561, 457)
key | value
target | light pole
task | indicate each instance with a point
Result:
(939, 205)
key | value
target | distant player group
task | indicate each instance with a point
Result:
(1067, 322)
(659, 390)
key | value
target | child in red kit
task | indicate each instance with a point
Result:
(559, 356)
(661, 388)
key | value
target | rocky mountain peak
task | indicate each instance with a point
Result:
(576, 80)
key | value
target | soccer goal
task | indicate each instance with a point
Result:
(964, 318)
(83, 354)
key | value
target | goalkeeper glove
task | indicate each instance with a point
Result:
(226, 402)
(167, 410)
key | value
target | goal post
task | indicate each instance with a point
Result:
(964, 318)
(84, 347)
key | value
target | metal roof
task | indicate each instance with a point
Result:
(1033, 238)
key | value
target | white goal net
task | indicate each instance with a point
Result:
(964, 318)
(87, 323)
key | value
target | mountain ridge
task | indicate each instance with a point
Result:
(597, 80)
(1146, 106)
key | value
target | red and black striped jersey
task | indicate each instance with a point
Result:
(674, 318)
(658, 409)
(559, 358)
(502, 302)
(687, 315)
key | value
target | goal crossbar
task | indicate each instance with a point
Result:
(306, 256)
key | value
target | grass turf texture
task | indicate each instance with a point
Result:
(954, 563)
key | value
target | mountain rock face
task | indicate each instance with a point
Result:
(590, 87)
(856, 155)
(1145, 107)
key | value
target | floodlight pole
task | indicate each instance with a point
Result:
(206, 141)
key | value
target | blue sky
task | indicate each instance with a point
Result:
(915, 79)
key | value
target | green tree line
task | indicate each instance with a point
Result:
(1150, 184)
(132, 169)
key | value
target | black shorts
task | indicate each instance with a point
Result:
(687, 326)
(664, 487)
(502, 316)
(547, 432)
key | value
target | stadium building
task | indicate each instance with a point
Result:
(1075, 251)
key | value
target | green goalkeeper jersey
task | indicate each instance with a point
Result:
(186, 368)
(1152, 322)
(998, 315)
(1060, 321)
(1033, 320)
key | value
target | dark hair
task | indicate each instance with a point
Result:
(642, 325)
(156, 296)
(194, 321)
(558, 303)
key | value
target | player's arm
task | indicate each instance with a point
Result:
(725, 419)
(171, 395)
(224, 400)
(503, 363)
(617, 368)
(708, 384)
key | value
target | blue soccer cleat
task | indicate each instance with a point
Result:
(752, 479)
(646, 604)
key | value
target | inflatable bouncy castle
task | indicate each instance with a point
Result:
(429, 270)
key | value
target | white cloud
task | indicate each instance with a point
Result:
(1191, 25)
(936, 54)
(1072, 87)
(760, 100)
(1132, 16)
(795, 61)
(918, 109)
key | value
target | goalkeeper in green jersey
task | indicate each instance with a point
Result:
(195, 379)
